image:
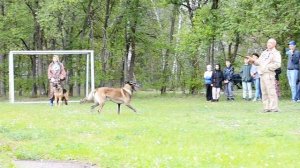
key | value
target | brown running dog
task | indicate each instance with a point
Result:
(60, 94)
(117, 95)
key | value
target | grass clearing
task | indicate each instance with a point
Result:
(169, 131)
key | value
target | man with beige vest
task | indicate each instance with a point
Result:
(267, 63)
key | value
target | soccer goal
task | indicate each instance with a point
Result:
(90, 78)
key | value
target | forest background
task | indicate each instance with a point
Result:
(162, 44)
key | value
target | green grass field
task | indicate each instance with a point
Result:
(169, 131)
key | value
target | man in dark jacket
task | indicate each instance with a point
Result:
(228, 80)
(293, 68)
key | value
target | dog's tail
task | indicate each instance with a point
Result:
(90, 97)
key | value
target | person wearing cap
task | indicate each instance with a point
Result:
(56, 74)
(267, 63)
(293, 68)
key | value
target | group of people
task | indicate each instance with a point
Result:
(215, 78)
(261, 70)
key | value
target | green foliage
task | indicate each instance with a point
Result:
(79, 24)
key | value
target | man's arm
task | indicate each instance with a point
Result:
(253, 70)
(63, 73)
(49, 72)
(296, 57)
(231, 73)
(275, 63)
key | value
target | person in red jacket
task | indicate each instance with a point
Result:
(56, 74)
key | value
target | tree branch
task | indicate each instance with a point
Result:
(24, 42)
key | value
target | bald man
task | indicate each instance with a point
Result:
(267, 63)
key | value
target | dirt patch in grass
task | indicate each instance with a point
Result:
(51, 164)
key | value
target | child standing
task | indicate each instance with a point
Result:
(208, 82)
(256, 79)
(246, 80)
(228, 83)
(217, 78)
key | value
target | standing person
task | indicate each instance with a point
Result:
(277, 84)
(256, 79)
(267, 63)
(228, 81)
(208, 82)
(56, 74)
(246, 80)
(293, 68)
(217, 78)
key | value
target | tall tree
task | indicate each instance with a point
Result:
(36, 61)
(166, 60)
(104, 50)
(130, 39)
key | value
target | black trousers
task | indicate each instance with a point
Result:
(208, 92)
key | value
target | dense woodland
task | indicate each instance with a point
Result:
(162, 44)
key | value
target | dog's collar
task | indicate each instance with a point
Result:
(128, 91)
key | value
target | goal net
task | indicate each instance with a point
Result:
(90, 78)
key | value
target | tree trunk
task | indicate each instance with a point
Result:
(2, 77)
(131, 59)
(166, 70)
(215, 4)
(130, 35)
(2, 71)
(232, 55)
(36, 61)
(104, 50)
(70, 75)
(208, 59)
(223, 50)
(33, 70)
(236, 47)
(213, 51)
(2, 8)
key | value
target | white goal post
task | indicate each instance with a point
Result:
(89, 66)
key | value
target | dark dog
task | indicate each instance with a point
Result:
(60, 95)
(117, 95)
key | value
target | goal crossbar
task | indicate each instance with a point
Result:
(89, 62)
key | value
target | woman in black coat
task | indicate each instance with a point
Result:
(217, 79)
